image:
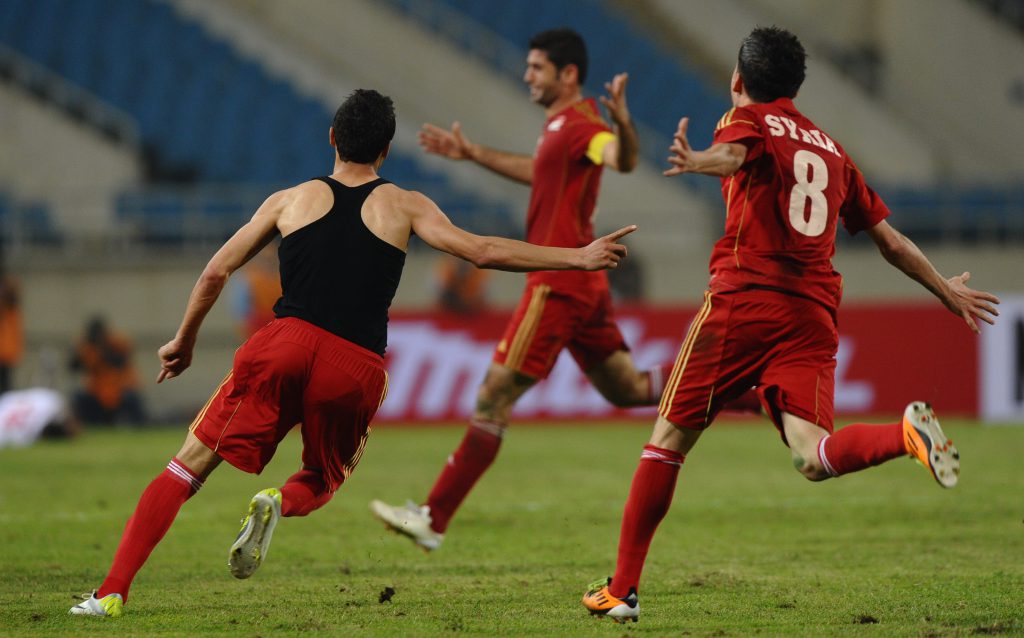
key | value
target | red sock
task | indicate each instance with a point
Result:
(658, 377)
(153, 516)
(856, 447)
(304, 492)
(649, 500)
(475, 454)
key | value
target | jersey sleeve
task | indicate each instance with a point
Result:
(863, 208)
(595, 148)
(741, 126)
(588, 139)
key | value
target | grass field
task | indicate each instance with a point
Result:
(749, 547)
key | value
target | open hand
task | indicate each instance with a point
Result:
(606, 252)
(615, 101)
(682, 158)
(451, 144)
(971, 304)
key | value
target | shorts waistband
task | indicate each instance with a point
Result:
(317, 338)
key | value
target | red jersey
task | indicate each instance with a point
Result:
(564, 193)
(784, 203)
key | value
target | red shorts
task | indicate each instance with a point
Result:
(292, 372)
(547, 321)
(783, 344)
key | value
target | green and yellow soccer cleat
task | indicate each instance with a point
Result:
(253, 542)
(111, 605)
(924, 441)
(600, 602)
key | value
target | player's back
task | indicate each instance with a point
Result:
(785, 202)
(338, 274)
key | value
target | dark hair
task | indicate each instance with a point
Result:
(363, 126)
(772, 63)
(563, 46)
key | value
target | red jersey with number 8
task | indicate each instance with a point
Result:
(784, 204)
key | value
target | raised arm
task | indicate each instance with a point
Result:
(962, 301)
(620, 153)
(719, 160)
(176, 355)
(455, 146)
(434, 227)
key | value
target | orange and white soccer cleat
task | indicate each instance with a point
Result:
(925, 442)
(600, 602)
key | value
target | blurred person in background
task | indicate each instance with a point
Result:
(769, 315)
(320, 362)
(255, 291)
(558, 310)
(12, 338)
(462, 287)
(110, 394)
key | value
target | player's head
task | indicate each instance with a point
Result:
(363, 127)
(555, 65)
(772, 64)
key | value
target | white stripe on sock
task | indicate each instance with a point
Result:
(182, 473)
(650, 455)
(824, 459)
(489, 427)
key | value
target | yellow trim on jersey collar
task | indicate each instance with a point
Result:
(595, 150)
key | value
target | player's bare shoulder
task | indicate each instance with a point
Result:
(390, 210)
(300, 205)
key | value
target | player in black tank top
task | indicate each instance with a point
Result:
(319, 364)
(338, 275)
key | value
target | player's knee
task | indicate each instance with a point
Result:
(491, 402)
(620, 398)
(810, 467)
(626, 393)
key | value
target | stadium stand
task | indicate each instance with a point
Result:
(201, 112)
(943, 212)
(1010, 10)
(614, 45)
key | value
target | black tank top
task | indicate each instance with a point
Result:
(338, 275)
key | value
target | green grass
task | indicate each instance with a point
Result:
(748, 548)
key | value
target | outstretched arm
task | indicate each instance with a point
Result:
(719, 160)
(455, 146)
(434, 227)
(962, 301)
(621, 153)
(176, 355)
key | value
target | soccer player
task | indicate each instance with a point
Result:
(319, 362)
(769, 316)
(557, 310)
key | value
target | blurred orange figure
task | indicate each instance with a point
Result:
(11, 335)
(463, 286)
(111, 382)
(256, 292)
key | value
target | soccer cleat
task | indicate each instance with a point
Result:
(111, 605)
(600, 602)
(253, 540)
(411, 520)
(926, 443)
